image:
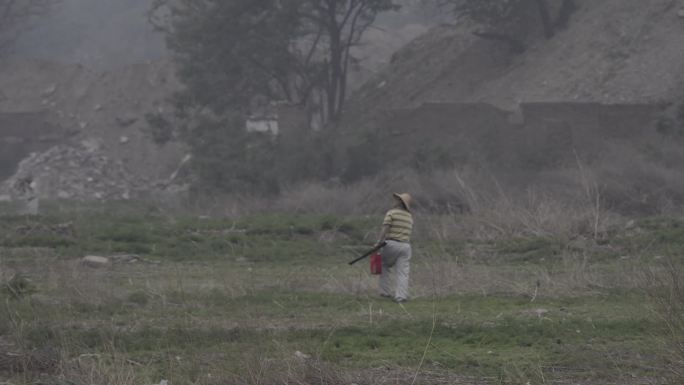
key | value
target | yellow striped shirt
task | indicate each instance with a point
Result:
(400, 224)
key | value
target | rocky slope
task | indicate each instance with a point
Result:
(106, 112)
(613, 51)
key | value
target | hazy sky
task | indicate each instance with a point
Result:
(111, 33)
(97, 33)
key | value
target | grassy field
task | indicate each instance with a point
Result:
(271, 299)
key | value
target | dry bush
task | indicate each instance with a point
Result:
(586, 197)
(625, 178)
(480, 208)
(642, 181)
(28, 361)
(332, 198)
(465, 204)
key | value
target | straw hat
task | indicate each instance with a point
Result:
(405, 199)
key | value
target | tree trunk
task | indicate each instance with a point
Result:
(335, 65)
(343, 80)
(547, 23)
(568, 8)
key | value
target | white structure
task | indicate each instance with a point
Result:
(263, 124)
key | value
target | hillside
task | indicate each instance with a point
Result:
(103, 113)
(593, 94)
(96, 68)
(613, 51)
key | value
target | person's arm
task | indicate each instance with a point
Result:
(386, 224)
(383, 234)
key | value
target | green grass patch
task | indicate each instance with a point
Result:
(224, 290)
(534, 250)
(478, 336)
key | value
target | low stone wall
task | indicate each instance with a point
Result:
(552, 133)
(538, 136)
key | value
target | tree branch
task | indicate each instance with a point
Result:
(543, 8)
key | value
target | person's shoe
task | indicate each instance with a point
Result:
(385, 295)
(400, 300)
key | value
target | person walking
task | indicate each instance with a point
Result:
(396, 255)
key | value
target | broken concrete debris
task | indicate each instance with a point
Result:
(83, 172)
(96, 261)
(79, 172)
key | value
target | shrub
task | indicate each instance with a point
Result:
(18, 287)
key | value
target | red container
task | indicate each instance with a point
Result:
(376, 264)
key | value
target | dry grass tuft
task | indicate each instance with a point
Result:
(666, 287)
(33, 361)
(99, 369)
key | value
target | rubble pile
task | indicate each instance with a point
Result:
(77, 172)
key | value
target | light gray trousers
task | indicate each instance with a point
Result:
(396, 258)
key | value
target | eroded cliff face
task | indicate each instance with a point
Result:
(612, 51)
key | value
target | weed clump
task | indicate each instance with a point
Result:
(138, 298)
(18, 287)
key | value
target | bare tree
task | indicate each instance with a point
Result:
(342, 23)
(303, 47)
(236, 57)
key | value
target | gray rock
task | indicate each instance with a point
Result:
(95, 262)
(125, 258)
(50, 90)
(126, 120)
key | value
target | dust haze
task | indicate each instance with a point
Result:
(96, 33)
(191, 192)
